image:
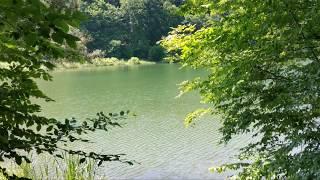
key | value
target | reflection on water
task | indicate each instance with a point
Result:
(156, 137)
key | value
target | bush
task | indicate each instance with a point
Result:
(156, 53)
(134, 60)
(96, 54)
(105, 61)
(115, 49)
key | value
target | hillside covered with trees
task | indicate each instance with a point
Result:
(130, 28)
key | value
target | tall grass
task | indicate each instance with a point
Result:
(75, 171)
(69, 168)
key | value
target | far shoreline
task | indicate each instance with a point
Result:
(61, 66)
(98, 63)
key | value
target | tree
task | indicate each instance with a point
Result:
(106, 25)
(156, 53)
(263, 59)
(131, 28)
(31, 33)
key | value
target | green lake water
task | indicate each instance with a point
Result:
(156, 137)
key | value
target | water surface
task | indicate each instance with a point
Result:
(156, 137)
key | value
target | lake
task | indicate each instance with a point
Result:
(156, 137)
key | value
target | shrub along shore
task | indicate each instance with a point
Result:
(63, 64)
(100, 62)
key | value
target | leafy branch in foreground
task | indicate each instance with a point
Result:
(263, 59)
(31, 33)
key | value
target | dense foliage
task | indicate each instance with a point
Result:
(264, 64)
(31, 33)
(130, 28)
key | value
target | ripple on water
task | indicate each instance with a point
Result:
(156, 137)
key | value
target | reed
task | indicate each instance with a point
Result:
(68, 168)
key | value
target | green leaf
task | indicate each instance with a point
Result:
(71, 40)
(18, 160)
(82, 160)
(57, 37)
(38, 127)
(62, 25)
(100, 163)
(49, 128)
(3, 139)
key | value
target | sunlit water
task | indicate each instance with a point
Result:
(156, 137)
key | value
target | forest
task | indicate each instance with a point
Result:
(88, 89)
(124, 29)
